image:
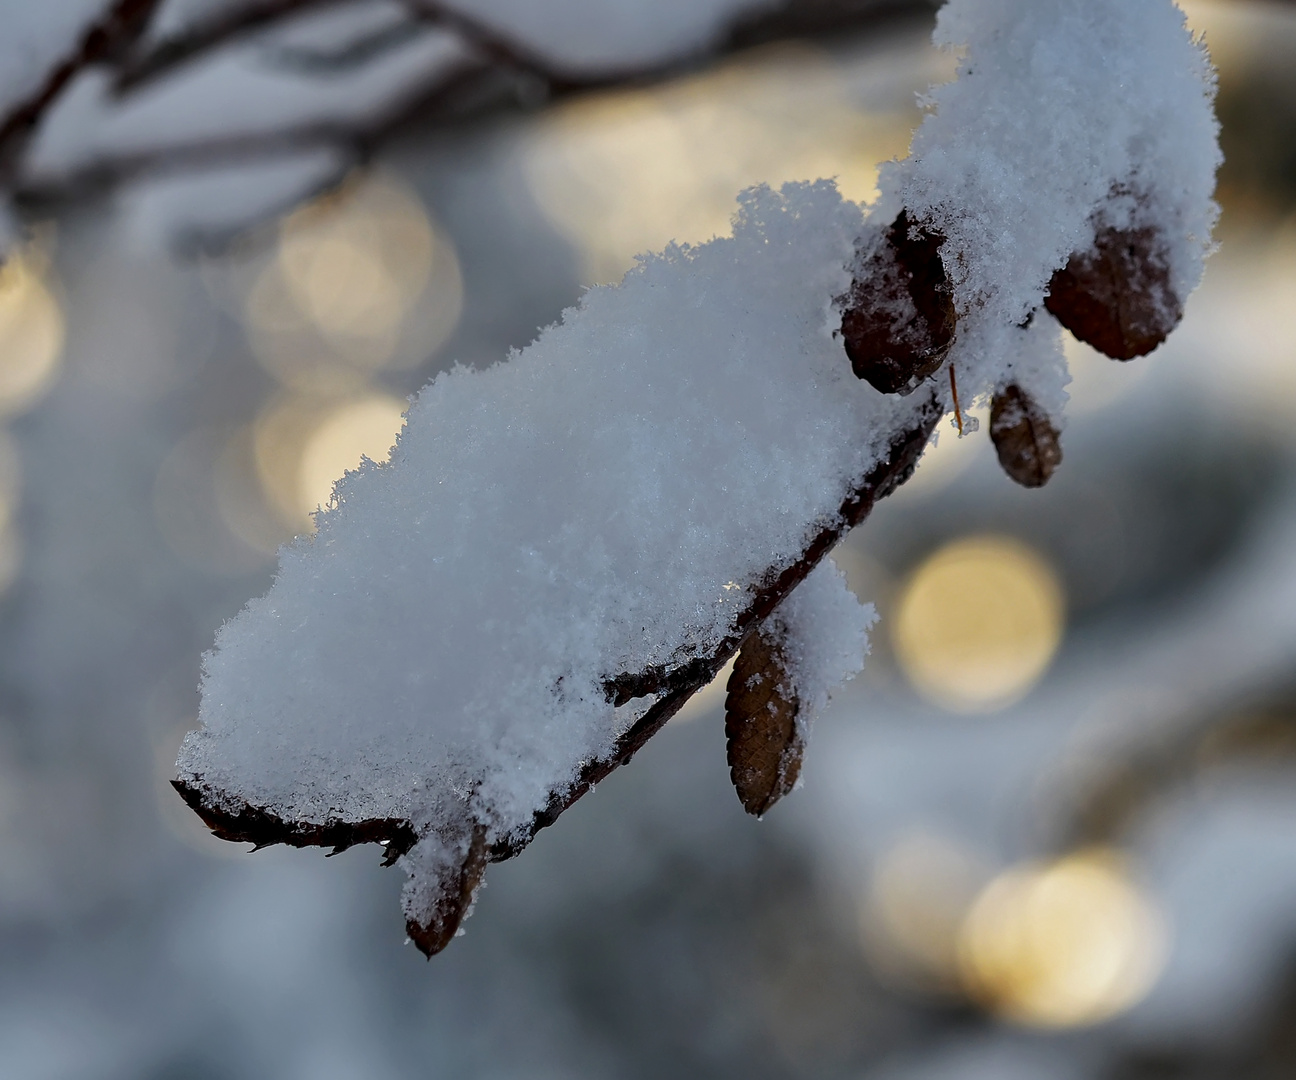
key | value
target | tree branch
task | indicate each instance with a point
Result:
(120, 27)
(504, 74)
(672, 687)
(208, 35)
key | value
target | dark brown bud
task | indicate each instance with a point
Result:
(1024, 437)
(898, 322)
(1117, 296)
(764, 741)
(434, 930)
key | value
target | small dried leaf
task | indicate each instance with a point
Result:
(1024, 437)
(899, 320)
(1117, 296)
(434, 931)
(764, 741)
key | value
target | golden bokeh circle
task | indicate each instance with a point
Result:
(363, 428)
(978, 623)
(32, 332)
(1062, 944)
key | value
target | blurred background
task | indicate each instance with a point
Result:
(1049, 833)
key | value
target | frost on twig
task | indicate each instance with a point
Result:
(565, 546)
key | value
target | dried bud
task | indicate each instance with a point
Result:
(764, 742)
(898, 324)
(432, 920)
(1024, 437)
(1117, 296)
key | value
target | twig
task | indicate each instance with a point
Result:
(958, 412)
(673, 687)
(120, 26)
(207, 35)
(504, 74)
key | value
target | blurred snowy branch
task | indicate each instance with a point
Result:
(113, 94)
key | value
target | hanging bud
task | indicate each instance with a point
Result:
(764, 741)
(433, 913)
(1024, 437)
(1117, 296)
(898, 322)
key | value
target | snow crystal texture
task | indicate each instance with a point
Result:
(599, 504)
(1067, 115)
(823, 629)
(605, 501)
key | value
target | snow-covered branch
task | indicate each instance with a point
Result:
(565, 547)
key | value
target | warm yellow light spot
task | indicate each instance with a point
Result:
(710, 698)
(279, 437)
(918, 897)
(31, 335)
(363, 428)
(1064, 944)
(624, 173)
(978, 623)
(948, 457)
(360, 280)
(355, 268)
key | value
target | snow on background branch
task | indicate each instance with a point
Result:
(309, 88)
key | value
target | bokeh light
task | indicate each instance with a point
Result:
(360, 280)
(948, 456)
(978, 623)
(628, 172)
(918, 897)
(364, 428)
(32, 333)
(197, 514)
(1063, 944)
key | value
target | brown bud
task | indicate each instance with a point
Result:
(1024, 437)
(433, 930)
(1117, 296)
(764, 742)
(898, 322)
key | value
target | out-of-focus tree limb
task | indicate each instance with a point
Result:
(670, 687)
(225, 27)
(119, 28)
(497, 73)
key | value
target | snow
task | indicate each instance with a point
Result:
(824, 632)
(175, 17)
(189, 209)
(602, 502)
(578, 36)
(1066, 115)
(227, 96)
(37, 38)
(599, 504)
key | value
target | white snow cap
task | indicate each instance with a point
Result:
(823, 629)
(1066, 115)
(608, 498)
(601, 503)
